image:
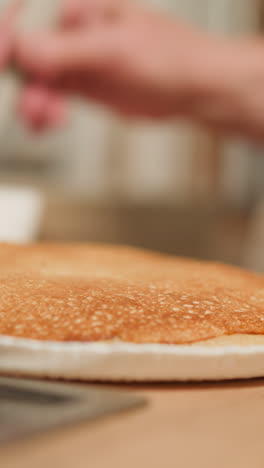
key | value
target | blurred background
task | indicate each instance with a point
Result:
(168, 187)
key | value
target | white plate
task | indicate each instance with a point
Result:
(129, 362)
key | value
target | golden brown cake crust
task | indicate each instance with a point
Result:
(98, 293)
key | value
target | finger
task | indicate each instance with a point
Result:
(7, 19)
(33, 103)
(56, 109)
(126, 100)
(98, 90)
(42, 107)
(78, 13)
(7, 27)
(74, 13)
(49, 56)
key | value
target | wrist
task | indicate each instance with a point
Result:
(227, 88)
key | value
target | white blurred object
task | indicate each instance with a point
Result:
(20, 214)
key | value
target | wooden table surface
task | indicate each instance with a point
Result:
(185, 426)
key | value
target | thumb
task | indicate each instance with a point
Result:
(50, 56)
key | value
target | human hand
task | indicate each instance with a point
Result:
(138, 62)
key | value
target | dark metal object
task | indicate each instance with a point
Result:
(28, 408)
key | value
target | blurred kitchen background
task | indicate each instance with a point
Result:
(167, 187)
